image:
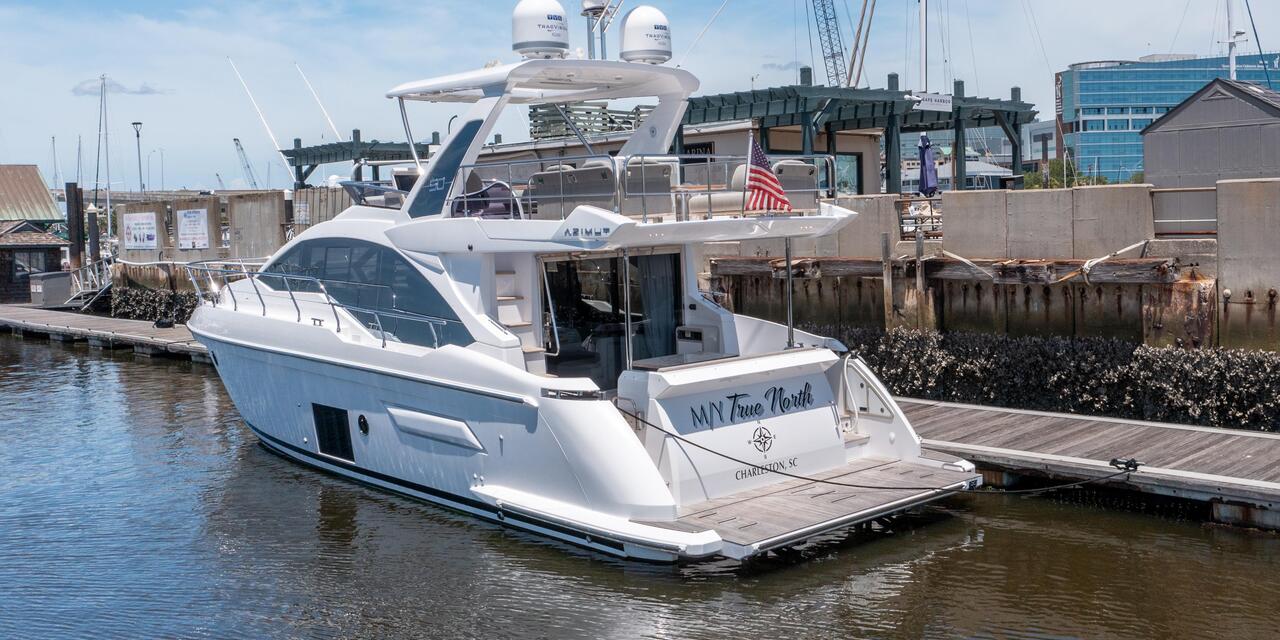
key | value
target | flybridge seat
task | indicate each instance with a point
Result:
(556, 192)
(480, 200)
(797, 177)
(800, 180)
(731, 201)
(494, 201)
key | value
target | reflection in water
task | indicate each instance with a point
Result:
(133, 502)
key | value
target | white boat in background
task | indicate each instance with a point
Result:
(527, 341)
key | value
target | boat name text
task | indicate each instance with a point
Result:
(740, 407)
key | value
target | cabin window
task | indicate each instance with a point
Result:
(26, 263)
(333, 431)
(378, 285)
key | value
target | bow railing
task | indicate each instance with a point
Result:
(217, 282)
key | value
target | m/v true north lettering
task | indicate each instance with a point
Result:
(741, 407)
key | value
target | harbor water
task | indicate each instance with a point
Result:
(134, 503)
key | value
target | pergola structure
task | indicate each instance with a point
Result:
(833, 109)
(814, 108)
(305, 160)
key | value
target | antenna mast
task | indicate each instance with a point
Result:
(315, 95)
(1233, 36)
(261, 117)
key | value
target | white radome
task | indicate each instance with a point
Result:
(538, 29)
(646, 36)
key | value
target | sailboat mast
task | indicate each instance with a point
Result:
(106, 152)
(924, 45)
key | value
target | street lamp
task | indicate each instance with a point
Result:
(137, 131)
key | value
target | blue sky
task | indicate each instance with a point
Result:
(169, 61)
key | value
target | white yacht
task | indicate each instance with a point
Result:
(527, 341)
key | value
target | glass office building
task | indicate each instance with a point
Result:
(1103, 106)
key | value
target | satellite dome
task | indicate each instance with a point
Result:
(646, 36)
(538, 29)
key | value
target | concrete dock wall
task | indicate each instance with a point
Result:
(976, 223)
(1040, 224)
(1105, 219)
(1249, 262)
(256, 224)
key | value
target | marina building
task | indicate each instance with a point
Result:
(1103, 106)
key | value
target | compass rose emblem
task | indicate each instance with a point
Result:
(762, 439)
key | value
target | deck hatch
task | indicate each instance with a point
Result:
(333, 431)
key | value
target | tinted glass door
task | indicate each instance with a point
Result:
(587, 300)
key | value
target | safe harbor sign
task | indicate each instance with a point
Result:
(932, 101)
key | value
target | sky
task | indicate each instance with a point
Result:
(167, 65)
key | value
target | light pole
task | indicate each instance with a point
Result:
(137, 131)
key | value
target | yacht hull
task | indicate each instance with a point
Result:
(275, 393)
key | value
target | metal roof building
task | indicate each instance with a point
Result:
(24, 196)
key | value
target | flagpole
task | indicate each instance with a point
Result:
(746, 169)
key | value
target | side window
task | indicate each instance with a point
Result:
(409, 294)
(386, 288)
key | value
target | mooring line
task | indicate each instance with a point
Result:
(1125, 466)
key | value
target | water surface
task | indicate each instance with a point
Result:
(134, 503)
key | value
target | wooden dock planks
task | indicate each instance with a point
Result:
(1201, 463)
(139, 334)
(760, 515)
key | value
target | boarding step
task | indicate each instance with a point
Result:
(790, 512)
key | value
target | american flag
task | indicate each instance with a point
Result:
(764, 192)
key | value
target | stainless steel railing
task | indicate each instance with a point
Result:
(213, 280)
(91, 277)
(641, 185)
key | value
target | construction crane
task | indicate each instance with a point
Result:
(824, 14)
(245, 166)
(222, 186)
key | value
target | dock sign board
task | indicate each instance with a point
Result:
(193, 229)
(933, 102)
(140, 230)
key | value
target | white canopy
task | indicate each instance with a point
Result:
(547, 81)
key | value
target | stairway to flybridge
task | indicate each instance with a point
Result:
(515, 296)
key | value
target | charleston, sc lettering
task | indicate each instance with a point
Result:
(751, 472)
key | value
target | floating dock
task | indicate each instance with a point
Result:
(1235, 472)
(101, 332)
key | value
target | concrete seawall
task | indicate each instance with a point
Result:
(1222, 291)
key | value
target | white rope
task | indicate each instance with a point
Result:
(986, 272)
(1090, 264)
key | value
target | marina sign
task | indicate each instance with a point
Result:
(933, 102)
